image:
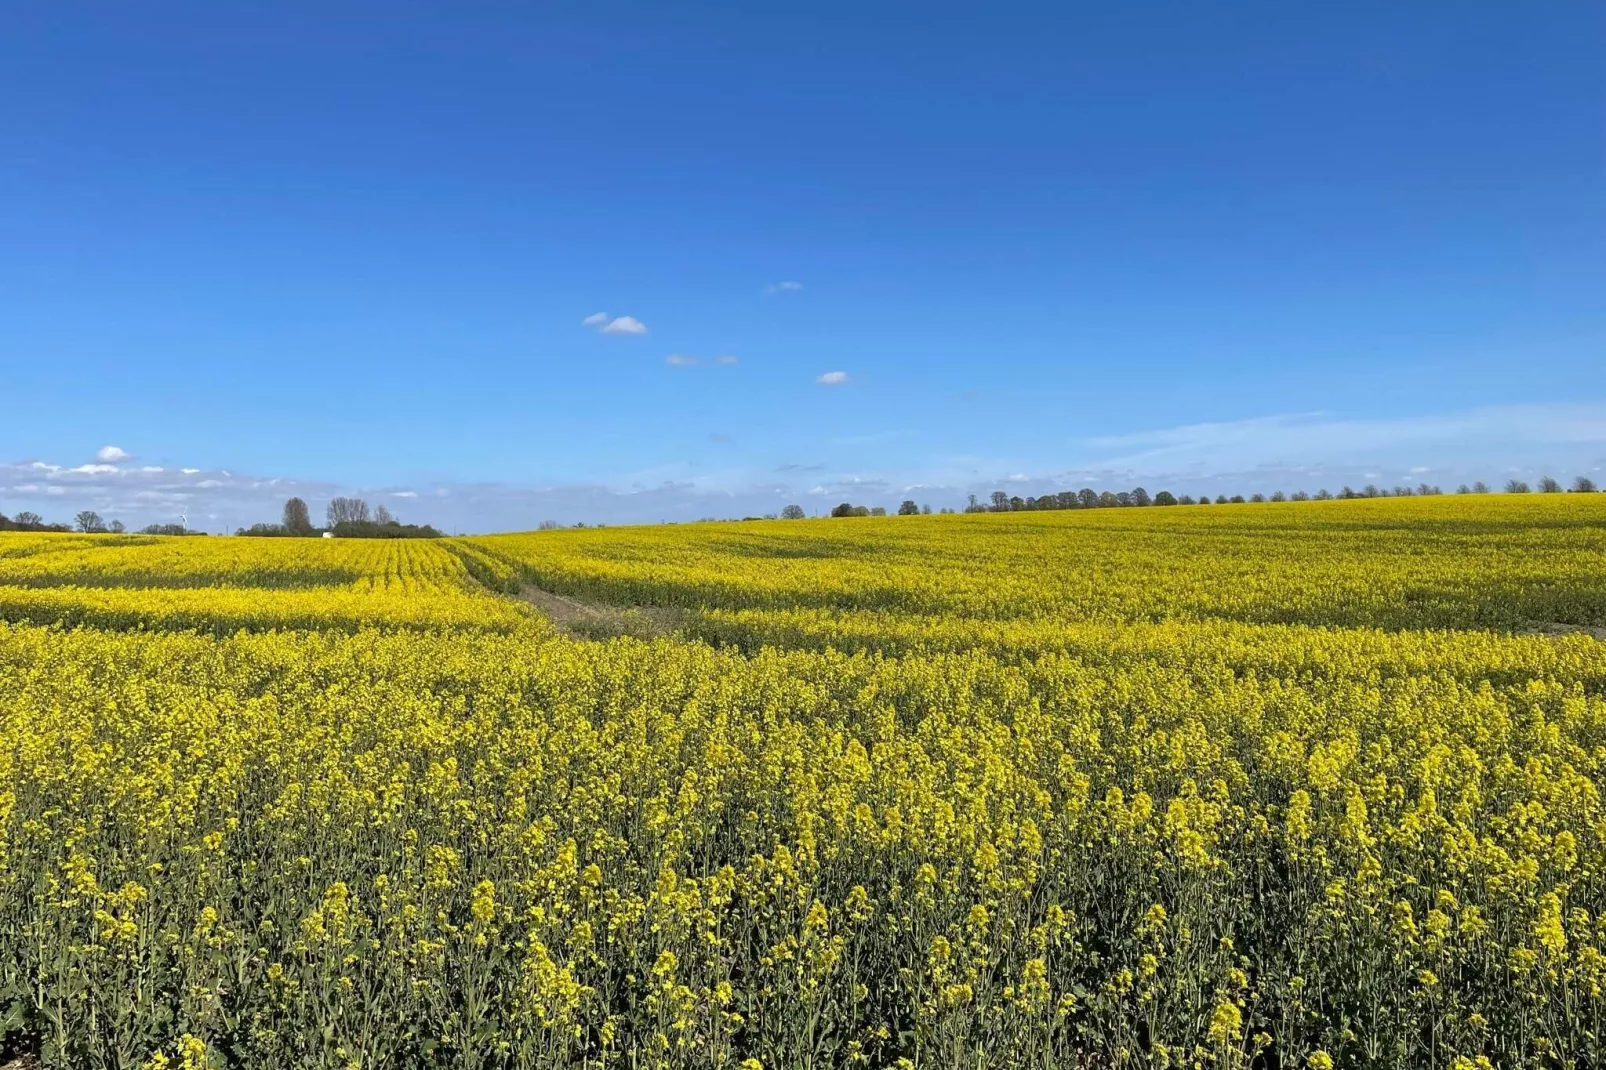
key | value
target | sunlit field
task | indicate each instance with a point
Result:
(1310, 784)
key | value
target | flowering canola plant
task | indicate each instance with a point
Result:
(1305, 785)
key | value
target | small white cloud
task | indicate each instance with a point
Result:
(111, 454)
(817, 490)
(625, 325)
(680, 360)
(726, 359)
(832, 379)
(94, 469)
(189, 471)
(596, 319)
(783, 287)
(1419, 469)
(405, 494)
(151, 468)
(208, 484)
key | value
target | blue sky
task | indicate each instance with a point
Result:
(353, 247)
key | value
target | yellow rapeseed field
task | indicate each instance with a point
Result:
(1303, 785)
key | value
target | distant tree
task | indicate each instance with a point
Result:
(1371, 490)
(1141, 497)
(89, 521)
(1108, 500)
(1279, 496)
(1324, 495)
(1549, 486)
(1221, 499)
(845, 509)
(1016, 503)
(879, 510)
(1257, 497)
(925, 510)
(116, 527)
(1165, 497)
(297, 520)
(1480, 487)
(1123, 498)
(1000, 502)
(347, 511)
(1236, 499)
(264, 531)
(1066, 499)
(1516, 486)
(792, 512)
(864, 510)
(27, 519)
(1088, 498)
(383, 516)
(1299, 496)
(908, 508)
(1463, 489)
(1583, 485)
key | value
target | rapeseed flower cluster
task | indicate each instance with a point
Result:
(1140, 822)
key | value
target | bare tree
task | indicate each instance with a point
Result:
(1516, 486)
(116, 527)
(1583, 485)
(382, 516)
(1549, 486)
(89, 521)
(1480, 487)
(27, 519)
(792, 512)
(346, 511)
(297, 520)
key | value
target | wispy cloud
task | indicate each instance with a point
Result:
(832, 379)
(686, 360)
(783, 287)
(112, 454)
(600, 321)
(1283, 452)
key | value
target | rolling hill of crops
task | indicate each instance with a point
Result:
(1268, 785)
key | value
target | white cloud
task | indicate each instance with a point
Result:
(686, 360)
(601, 321)
(93, 469)
(112, 454)
(189, 471)
(625, 325)
(405, 494)
(783, 287)
(832, 379)
(151, 468)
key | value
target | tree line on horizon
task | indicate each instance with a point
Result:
(347, 518)
(1088, 498)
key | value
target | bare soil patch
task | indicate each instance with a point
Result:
(599, 620)
(1554, 628)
